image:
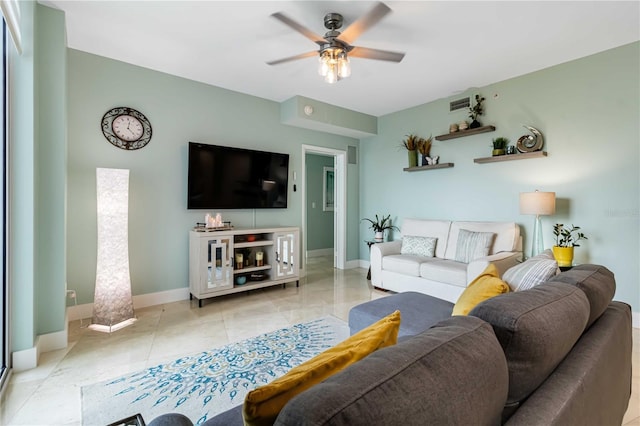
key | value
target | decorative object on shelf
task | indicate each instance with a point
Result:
(239, 260)
(463, 125)
(537, 203)
(379, 225)
(241, 279)
(424, 148)
(113, 304)
(432, 161)
(511, 150)
(453, 128)
(476, 111)
(566, 240)
(213, 221)
(411, 145)
(126, 128)
(499, 145)
(530, 143)
(259, 258)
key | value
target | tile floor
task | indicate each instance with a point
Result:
(50, 393)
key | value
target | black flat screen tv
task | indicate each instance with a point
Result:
(222, 177)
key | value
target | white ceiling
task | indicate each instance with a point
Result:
(450, 46)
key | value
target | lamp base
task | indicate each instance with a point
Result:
(537, 246)
(114, 327)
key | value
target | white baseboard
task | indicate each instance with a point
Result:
(28, 358)
(141, 301)
(320, 252)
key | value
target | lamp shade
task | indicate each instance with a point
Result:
(538, 203)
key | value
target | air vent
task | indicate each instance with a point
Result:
(459, 104)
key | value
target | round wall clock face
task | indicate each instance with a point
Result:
(126, 128)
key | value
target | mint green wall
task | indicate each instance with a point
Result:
(180, 111)
(588, 111)
(22, 232)
(38, 177)
(319, 222)
(51, 169)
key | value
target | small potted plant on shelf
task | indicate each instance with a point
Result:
(499, 146)
(379, 225)
(476, 111)
(411, 144)
(424, 148)
(566, 240)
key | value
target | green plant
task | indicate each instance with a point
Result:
(411, 142)
(381, 224)
(476, 110)
(500, 143)
(568, 237)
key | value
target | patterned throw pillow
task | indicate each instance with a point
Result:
(420, 246)
(472, 245)
(530, 273)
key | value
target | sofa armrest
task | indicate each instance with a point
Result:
(378, 251)
(503, 261)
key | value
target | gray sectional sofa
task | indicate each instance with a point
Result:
(556, 354)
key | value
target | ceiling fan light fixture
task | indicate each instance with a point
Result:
(334, 65)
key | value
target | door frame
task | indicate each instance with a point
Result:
(340, 207)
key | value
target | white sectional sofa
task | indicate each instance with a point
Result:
(441, 275)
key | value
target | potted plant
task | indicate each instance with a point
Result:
(499, 146)
(475, 111)
(424, 148)
(566, 240)
(411, 144)
(379, 225)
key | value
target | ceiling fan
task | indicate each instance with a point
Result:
(335, 46)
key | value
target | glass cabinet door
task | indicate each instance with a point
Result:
(286, 261)
(219, 274)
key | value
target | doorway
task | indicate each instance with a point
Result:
(330, 168)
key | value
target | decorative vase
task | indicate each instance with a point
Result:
(413, 157)
(475, 124)
(425, 162)
(497, 152)
(379, 236)
(563, 255)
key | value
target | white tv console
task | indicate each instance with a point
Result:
(214, 271)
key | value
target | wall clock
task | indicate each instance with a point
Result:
(126, 128)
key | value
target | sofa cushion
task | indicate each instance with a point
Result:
(407, 264)
(507, 236)
(428, 228)
(485, 286)
(597, 282)
(414, 383)
(536, 329)
(473, 245)
(420, 246)
(530, 273)
(446, 271)
(262, 405)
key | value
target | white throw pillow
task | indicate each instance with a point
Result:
(472, 245)
(530, 273)
(420, 246)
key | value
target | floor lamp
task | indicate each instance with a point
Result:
(112, 304)
(537, 203)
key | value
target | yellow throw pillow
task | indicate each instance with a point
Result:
(262, 405)
(487, 285)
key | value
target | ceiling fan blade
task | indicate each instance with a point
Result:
(293, 58)
(381, 55)
(316, 38)
(365, 22)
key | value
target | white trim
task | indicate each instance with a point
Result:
(25, 359)
(28, 358)
(352, 264)
(141, 301)
(11, 12)
(340, 206)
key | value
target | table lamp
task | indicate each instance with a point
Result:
(537, 203)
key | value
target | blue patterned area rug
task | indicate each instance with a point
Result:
(203, 385)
